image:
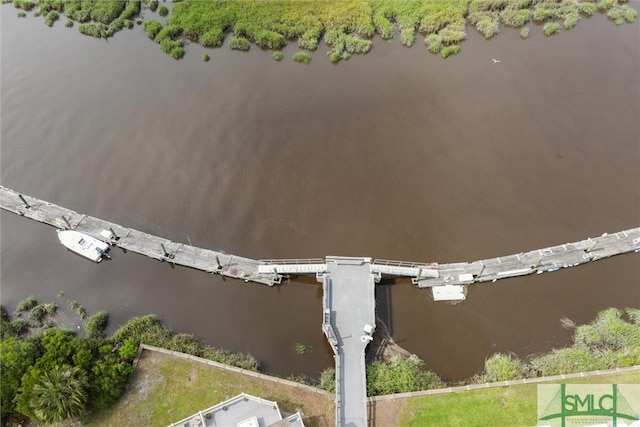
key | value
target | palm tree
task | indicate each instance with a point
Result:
(60, 393)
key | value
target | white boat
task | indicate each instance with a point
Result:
(83, 244)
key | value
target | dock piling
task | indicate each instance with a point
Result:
(115, 236)
(218, 261)
(66, 221)
(164, 250)
(26, 204)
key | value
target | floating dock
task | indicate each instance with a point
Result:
(135, 241)
(348, 283)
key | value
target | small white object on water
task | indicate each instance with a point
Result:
(495, 61)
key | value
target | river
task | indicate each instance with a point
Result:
(397, 154)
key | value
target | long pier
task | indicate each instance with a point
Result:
(348, 283)
(132, 240)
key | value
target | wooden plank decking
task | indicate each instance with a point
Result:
(136, 241)
(537, 261)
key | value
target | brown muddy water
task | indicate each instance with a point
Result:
(397, 154)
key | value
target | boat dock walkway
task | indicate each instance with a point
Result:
(348, 283)
(537, 261)
(135, 241)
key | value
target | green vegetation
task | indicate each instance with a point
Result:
(401, 374)
(450, 50)
(152, 28)
(277, 55)
(51, 17)
(551, 28)
(524, 33)
(49, 374)
(513, 406)
(69, 23)
(22, 14)
(205, 57)
(301, 57)
(239, 43)
(302, 349)
(346, 26)
(176, 388)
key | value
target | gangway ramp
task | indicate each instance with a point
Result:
(348, 322)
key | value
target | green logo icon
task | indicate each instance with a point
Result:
(588, 404)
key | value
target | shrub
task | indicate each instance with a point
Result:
(153, 5)
(302, 57)
(239, 43)
(79, 309)
(400, 375)
(167, 33)
(105, 11)
(205, 57)
(37, 314)
(433, 43)
(26, 304)
(69, 23)
(451, 35)
(277, 55)
(328, 380)
(163, 10)
(524, 33)
(21, 14)
(551, 28)
(97, 324)
(502, 367)
(634, 315)
(567, 361)
(128, 350)
(450, 50)
(152, 28)
(630, 14)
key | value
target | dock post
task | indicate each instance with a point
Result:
(419, 274)
(27, 205)
(218, 261)
(66, 221)
(164, 250)
(115, 236)
(481, 270)
(275, 274)
(590, 248)
(537, 264)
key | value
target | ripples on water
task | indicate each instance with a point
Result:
(397, 155)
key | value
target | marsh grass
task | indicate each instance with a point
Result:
(277, 55)
(205, 57)
(239, 43)
(524, 33)
(21, 14)
(450, 50)
(69, 23)
(551, 28)
(302, 57)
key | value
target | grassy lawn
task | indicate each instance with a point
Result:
(166, 389)
(503, 406)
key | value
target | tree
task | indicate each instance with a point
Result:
(60, 393)
(15, 358)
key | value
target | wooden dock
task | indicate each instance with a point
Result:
(135, 241)
(537, 261)
(425, 275)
